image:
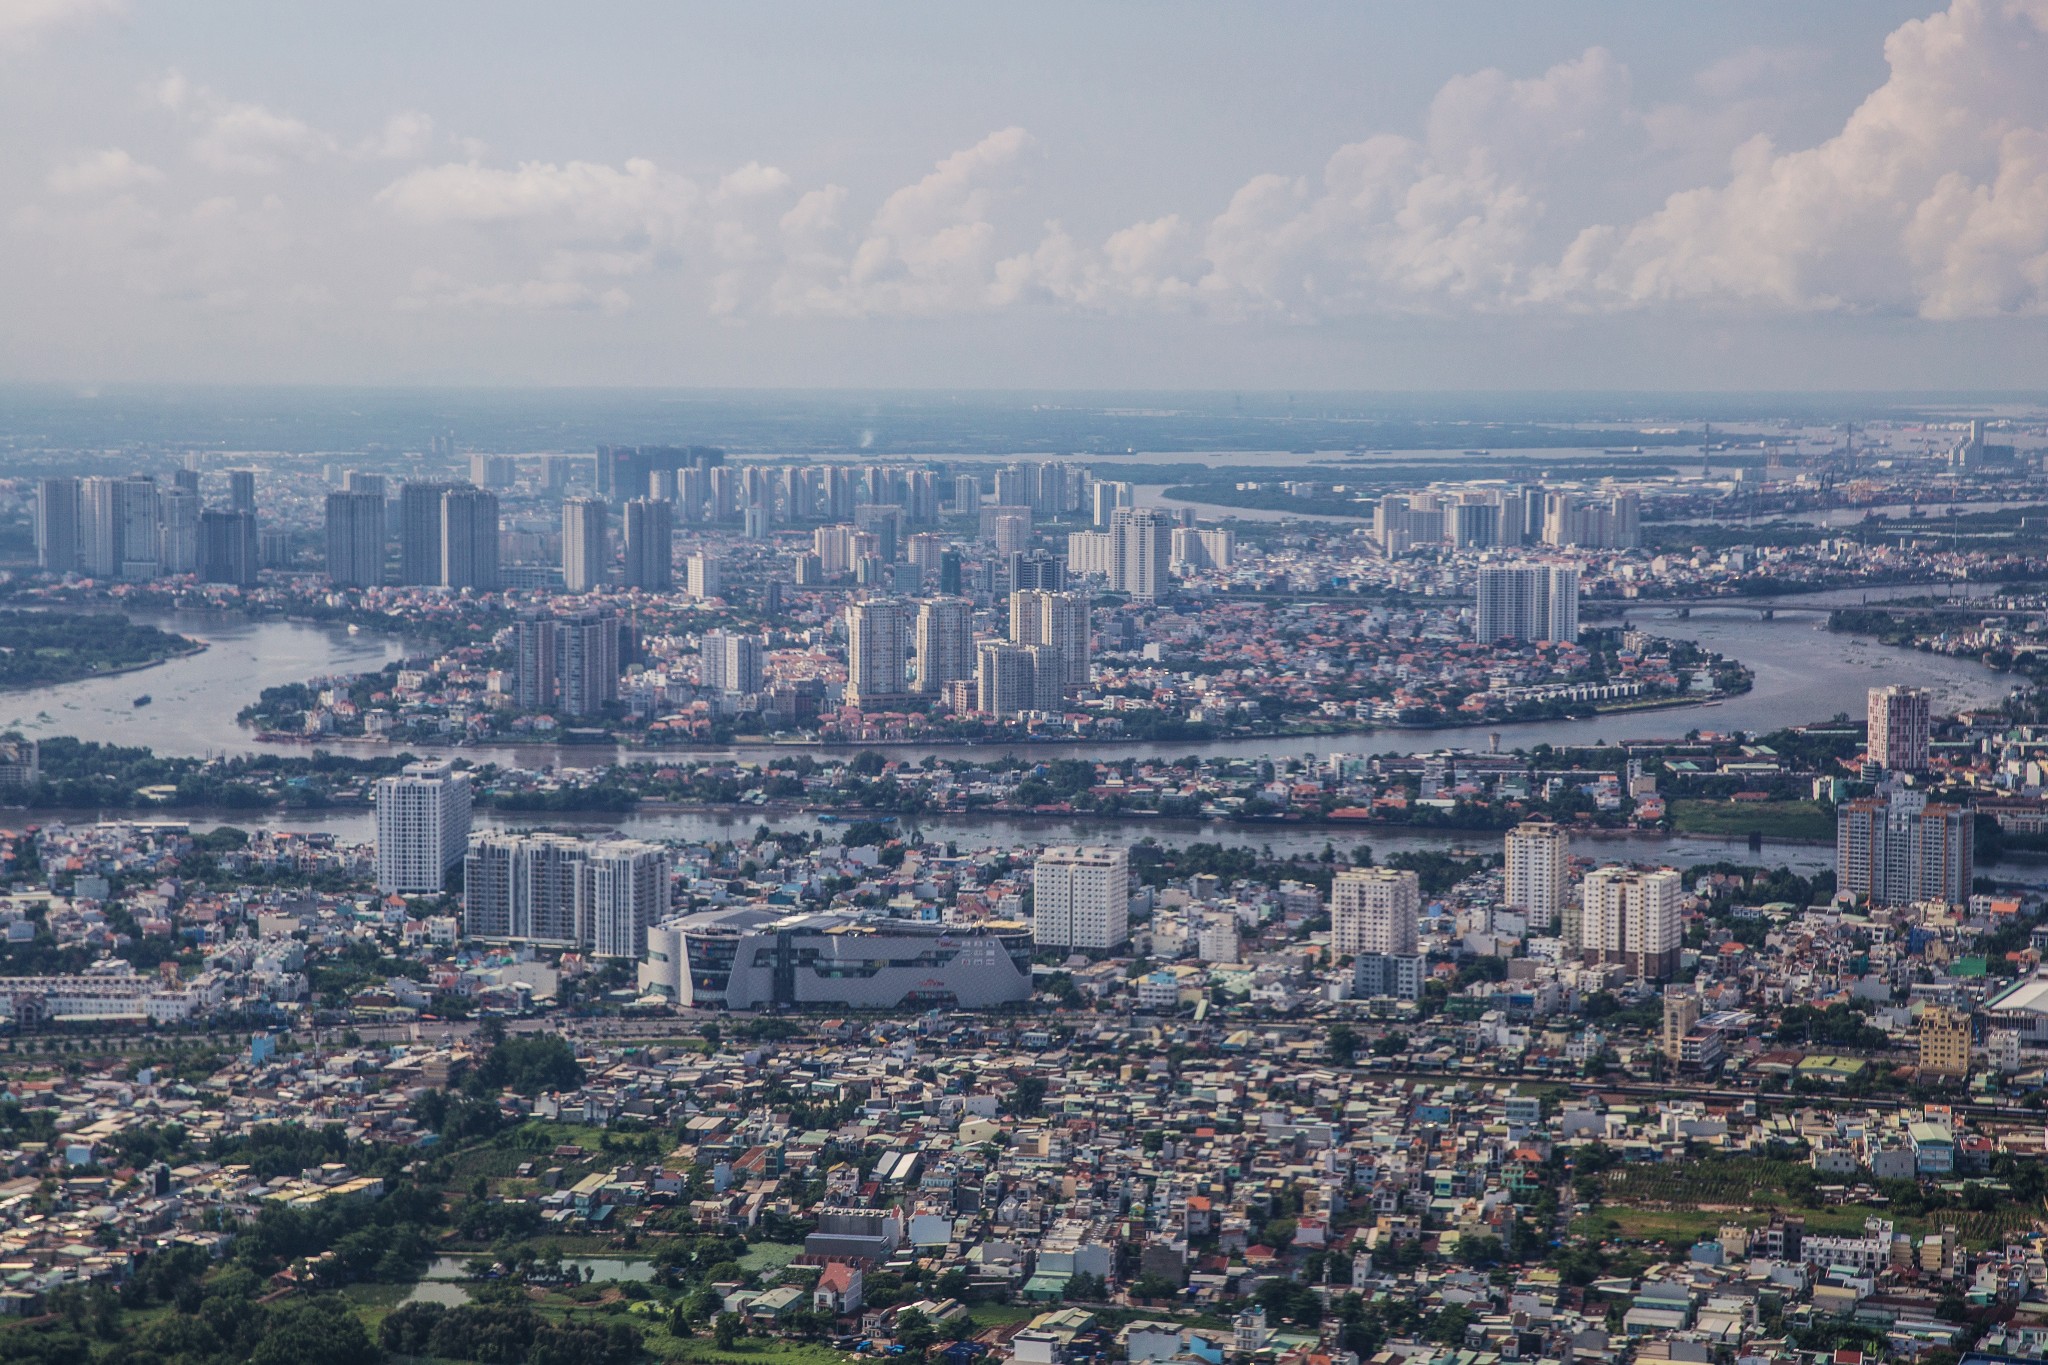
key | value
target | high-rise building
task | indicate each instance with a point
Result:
(361, 481)
(1059, 622)
(1195, 549)
(523, 888)
(469, 539)
(178, 529)
(878, 634)
(623, 889)
(1631, 918)
(1538, 873)
(355, 539)
(422, 827)
(136, 528)
(242, 491)
(492, 471)
(1106, 497)
(228, 548)
(1901, 725)
(536, 652)
(1040, 569)
(729, 662)
(649, 537)
(622, 470)
(99, 537)
(703, 580)
(1005, 678)
(1375, 910)
(586, 550)
(1092, 554)
(944, 643)
(587, 666)
(57, 518)
(1903, 849)
(1527, 602)
(1081, 898)
(419, 533)
(1141, 549)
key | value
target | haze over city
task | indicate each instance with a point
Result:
(1057, 685)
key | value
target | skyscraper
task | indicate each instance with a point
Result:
(944, 643)
(535, 653)
(469, 539)
(523, 888)
(703, 580)
(729, 663)
(99, 538)
(355, 539)
(1005, 678)
(1374, 910)
(136, 528)
(586, 549)
(587, 670)
(1901, 724)
(1538, 872)
(422, 827)
(623, 889)
(228, 549)
(1059, 622)
(178, 529)
(1527, 602)
(1081, 898)
(1141, 549)
(1631, 919)
(242, 491)
(1904, 849)
(649, 533)
(57, 514)
(877, 650)
(419, 533)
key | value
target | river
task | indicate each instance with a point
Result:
(1803, 674)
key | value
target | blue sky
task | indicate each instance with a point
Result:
(1176, 196)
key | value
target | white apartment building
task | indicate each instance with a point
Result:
(422, 827)
(1631, 918)
(1081, 898)
(623, 889)
(1538, 872)
(1527, 602)
(1374, 910)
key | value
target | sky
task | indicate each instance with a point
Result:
(1138, 195)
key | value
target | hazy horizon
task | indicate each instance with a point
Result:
(911, 197)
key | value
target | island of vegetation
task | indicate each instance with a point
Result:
(43, 649)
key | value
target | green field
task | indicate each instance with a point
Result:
(1776, 819)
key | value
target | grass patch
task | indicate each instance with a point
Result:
(753, 1351)
(375, 1302)
(1778, 819)
(763, 1257)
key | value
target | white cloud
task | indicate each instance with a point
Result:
(23, 23)
(1928, 201)
(102, 172)
(404, 137)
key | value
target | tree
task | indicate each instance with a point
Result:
(726, 1331)
(1343, 1044)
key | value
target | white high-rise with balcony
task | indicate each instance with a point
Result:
(422, 827)
(1081, 898)
(1538, 872)
(1375, 910)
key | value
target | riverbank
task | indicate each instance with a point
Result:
(48, 649)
